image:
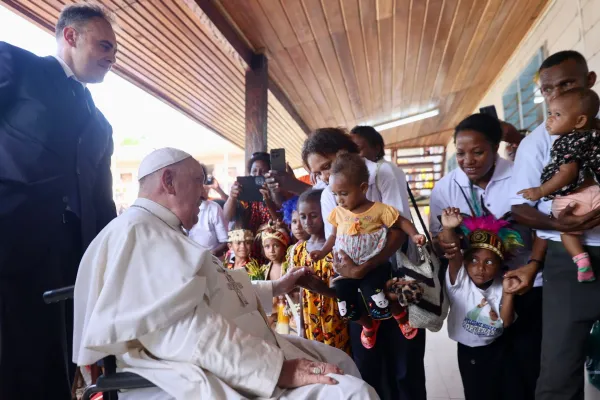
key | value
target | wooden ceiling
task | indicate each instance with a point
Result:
(171, 50)
(339, 62)
(349, 62)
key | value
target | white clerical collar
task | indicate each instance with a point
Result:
(68, 71)
(161, 212)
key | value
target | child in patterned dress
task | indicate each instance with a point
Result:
(360, 229)
(321, 319)
(574, 170)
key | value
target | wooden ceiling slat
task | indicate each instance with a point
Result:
(453, 41)
(270, 40)
(400, 49)
(335, 22)
(517, 29)
(447, 20)
(370, 32)
(385, 46)
(415, 36)
(317, 21)
(302, 29)
(476, 48)
(354, 35)
(183, 53)
(464, 44)
(222, 64)
(430, 36)
(287, 36)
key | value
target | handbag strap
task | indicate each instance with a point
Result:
(412, 199)
(414, 203)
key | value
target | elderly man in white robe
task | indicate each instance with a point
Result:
(168, 310)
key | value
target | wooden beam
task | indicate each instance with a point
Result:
(257, 103)
(224, 26)
(287, 104)
(220, 22)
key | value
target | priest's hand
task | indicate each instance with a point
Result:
(290, 280)
(302, 372)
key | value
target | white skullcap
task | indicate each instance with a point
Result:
(160, 159)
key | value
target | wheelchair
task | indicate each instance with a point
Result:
(111, 381)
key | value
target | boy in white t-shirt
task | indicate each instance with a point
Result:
(480, 307)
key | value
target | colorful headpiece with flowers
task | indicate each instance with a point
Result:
(484, 231)
(240, 235)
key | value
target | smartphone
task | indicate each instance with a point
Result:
(250, 188)
(278, 160)
(489, 110)
(209, 180)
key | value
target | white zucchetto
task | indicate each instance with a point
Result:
(160, 159)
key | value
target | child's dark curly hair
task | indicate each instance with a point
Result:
(352, 167)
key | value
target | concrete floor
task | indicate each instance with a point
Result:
(441, 368)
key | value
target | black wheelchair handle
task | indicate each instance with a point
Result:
(58, 295)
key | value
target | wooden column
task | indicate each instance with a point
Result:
(257, 91)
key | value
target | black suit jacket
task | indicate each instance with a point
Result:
(50, 141)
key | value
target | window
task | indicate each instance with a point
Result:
(523, 103)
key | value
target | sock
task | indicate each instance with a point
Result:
(585, 273)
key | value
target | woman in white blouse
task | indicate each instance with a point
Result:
(403, 376)
(482, 183)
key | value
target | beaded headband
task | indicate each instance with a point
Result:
(240, 235)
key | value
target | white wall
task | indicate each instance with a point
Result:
(565, 25)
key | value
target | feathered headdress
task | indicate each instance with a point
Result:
(484, 231)
(288, 207)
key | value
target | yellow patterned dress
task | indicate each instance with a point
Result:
(322, 321)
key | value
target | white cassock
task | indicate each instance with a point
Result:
(167, 309)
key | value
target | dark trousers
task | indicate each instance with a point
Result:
(394, 367)
(373, 283)
(481, 369)
(523, 341)
(33, 335)
(570, 308)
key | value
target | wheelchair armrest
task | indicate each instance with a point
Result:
(122, 381)
(57, 295)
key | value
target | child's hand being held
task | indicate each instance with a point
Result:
(451, 217)
(316, 255)
(510, 284)
(419, 239)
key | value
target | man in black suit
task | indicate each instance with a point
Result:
(55, 195)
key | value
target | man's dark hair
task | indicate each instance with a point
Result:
(79, 14)
(327, 141)
(352, 167)
(485, 124)
(372, 137)
(562, 56)
(311, 195)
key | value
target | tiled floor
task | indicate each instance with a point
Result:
(441, 368)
